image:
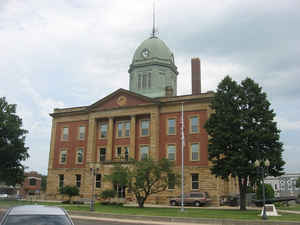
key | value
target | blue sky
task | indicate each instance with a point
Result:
(65, 53)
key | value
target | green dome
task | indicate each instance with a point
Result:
(151, 48)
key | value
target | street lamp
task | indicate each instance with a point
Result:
(93, 172)
(261, 165)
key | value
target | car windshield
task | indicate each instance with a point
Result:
(37, 220)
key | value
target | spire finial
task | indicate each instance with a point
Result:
(154, 31)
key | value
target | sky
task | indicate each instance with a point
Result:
(66, 53)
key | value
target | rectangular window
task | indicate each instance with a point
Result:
(78, 180)
(195, 152)
(123, 129)
(120, 129)
(61, 180)
(119, 152)
(194, 124)
(195, 181)
(81, 132)
(102, 154)
(171, 181)
(103, 130)
(149, 80)
(65, 134)
(145, 127)
(98, 180)
(144, 152)
(126, 153)
(127, 129)
(32, 182)
(144, 81)
(63, 157)
(139, 81)
(79, 155)
(171, 126)
(171, 152)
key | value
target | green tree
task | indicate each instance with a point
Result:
(269, 191)
(145, 177)
(70, 191)
(44, 183)
(298, 182)
(12, 144)
(242, 129)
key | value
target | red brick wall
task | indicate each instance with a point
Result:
(200, 137)
(26, 187)
(71, 145)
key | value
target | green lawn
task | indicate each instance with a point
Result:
(292, 208)
(169, 212)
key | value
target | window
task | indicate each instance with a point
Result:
(195, 181)
(63, 157)
(194, 124)
(98, 180)
(60, 180)
(171, 181)
(171, 152)
(103, 130)
(81, 132)
(144, 152)
(127, 129)
(65, 134)
(32, 182)
(145, 127)
(195, 152)
(102, 154)
(79, 155)
(78, 180)
(144, 81)
(122, 153)
(171, 126)
(123, 129)
(149, 80)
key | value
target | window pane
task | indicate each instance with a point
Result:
(78, 180)
(80, 155)
(171, 181)
(194, 124)
(171, 152)
(65, 133)
(37, 219)
(145, 127)
(103, 130)
(126, 153)
(127, 129)
(98, 180)
(32, 182)
(102, 154)
(195, 181)
(144, 152)
(120, 126)
(195, 151)
(61, 180)
(81, 132)
(171, 126)
(63, 156)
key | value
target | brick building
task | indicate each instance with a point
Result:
(32, 184)
(142, 122)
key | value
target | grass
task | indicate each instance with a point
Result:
(292, 208)
(168, 212)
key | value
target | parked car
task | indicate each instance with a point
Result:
(36, 214)
(192, 198)
(230, 200)
(2, 196)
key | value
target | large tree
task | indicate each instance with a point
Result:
(12, 144)
(144, 178)
(242, 130)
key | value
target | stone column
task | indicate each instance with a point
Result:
(132, 137)
(110, 136)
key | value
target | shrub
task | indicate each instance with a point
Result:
(269, 192)
(107, 194)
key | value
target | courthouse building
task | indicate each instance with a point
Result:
(144, 121)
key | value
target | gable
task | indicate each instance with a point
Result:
(119, 99)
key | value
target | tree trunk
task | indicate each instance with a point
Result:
(243, 190)
(141, 202)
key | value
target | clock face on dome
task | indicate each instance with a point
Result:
(145, 53)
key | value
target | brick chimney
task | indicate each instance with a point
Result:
(196, 76)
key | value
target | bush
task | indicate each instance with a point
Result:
(107, 194)
(269, 192)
